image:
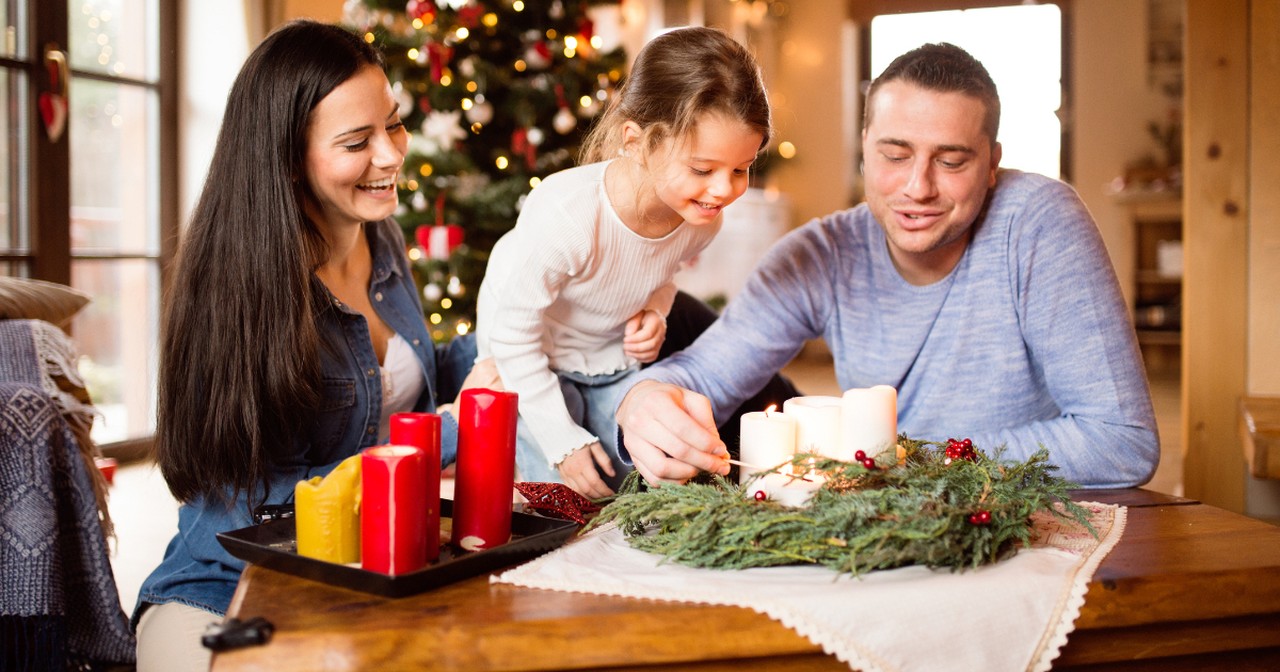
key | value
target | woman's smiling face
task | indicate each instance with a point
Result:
(355, 146)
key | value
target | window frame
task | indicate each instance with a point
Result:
(863, 11)
(42, 204)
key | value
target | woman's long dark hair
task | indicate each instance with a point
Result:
(240, 376)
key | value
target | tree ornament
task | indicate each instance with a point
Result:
(535, 136)
(481, 111)
(455, 287)
(537, 55)
(432, 292)
(564, 121)
(469, 14)
(467, 67)
(404, 99)
(418, 201)
(761, 496)
(421, 9)
(440, 130)
(438, 55)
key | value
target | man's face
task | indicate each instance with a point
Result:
(928, 166)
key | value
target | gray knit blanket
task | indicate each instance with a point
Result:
(59, 606)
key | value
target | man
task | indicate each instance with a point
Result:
(985, 296)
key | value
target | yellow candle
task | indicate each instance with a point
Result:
(766, 439)
(817, 425)
(327, 514)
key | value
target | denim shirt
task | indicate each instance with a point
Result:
(196, 570)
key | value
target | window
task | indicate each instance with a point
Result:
(90, 201)
(1021, 46)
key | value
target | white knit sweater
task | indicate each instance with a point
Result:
(559, 289)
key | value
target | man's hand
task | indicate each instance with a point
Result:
(578, 471)
(670, 433)
(643, 335)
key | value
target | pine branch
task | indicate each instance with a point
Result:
(915, 513)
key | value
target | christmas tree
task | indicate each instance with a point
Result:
(497, 94)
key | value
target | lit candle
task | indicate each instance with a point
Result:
(817, 425)
(869, 422)
(766, 439)
(422, 431)
(393, 509)
(327, 514)
(485, 480)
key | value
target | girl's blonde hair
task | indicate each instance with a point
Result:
(677, 77)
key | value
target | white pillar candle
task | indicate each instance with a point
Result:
(766, 439)
(786, 489)
(869, 422)
(817, 425)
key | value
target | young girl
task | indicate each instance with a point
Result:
(575, 297)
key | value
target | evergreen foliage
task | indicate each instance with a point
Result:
(927, 510)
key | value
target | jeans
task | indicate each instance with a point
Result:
(591, 401)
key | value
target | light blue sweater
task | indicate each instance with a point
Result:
(1026, 343)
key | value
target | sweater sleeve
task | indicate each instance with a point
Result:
(552, 256)
(781, 306)
(1079, 334)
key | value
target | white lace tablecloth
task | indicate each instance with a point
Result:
(1012, 615)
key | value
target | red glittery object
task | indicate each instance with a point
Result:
(557, 501)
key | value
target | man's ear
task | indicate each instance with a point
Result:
(996, 151)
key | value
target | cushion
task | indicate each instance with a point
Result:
(23, 299)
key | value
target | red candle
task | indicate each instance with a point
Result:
(393, 509)
(486, 469)
(422, 431)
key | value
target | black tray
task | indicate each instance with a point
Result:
(273, 544)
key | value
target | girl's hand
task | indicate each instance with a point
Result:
(578, 471)
(643, 336)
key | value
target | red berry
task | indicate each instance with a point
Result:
(859, 455)
(967, 443)
(761, 495)
(980, 518)
(868, 463)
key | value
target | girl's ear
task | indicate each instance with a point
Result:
(632, 141)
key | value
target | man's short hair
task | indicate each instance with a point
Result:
(945, 68)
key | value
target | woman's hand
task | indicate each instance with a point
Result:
(483, 374)
(578, 471)
(643, 335)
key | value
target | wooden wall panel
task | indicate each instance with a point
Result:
(1216, 245)
(1264, 200)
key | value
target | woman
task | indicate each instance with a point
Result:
(293, 328)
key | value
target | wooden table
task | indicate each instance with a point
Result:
(1189, 586)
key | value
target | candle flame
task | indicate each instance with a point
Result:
(772, 408)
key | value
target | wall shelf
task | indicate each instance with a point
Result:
(1157, 298)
